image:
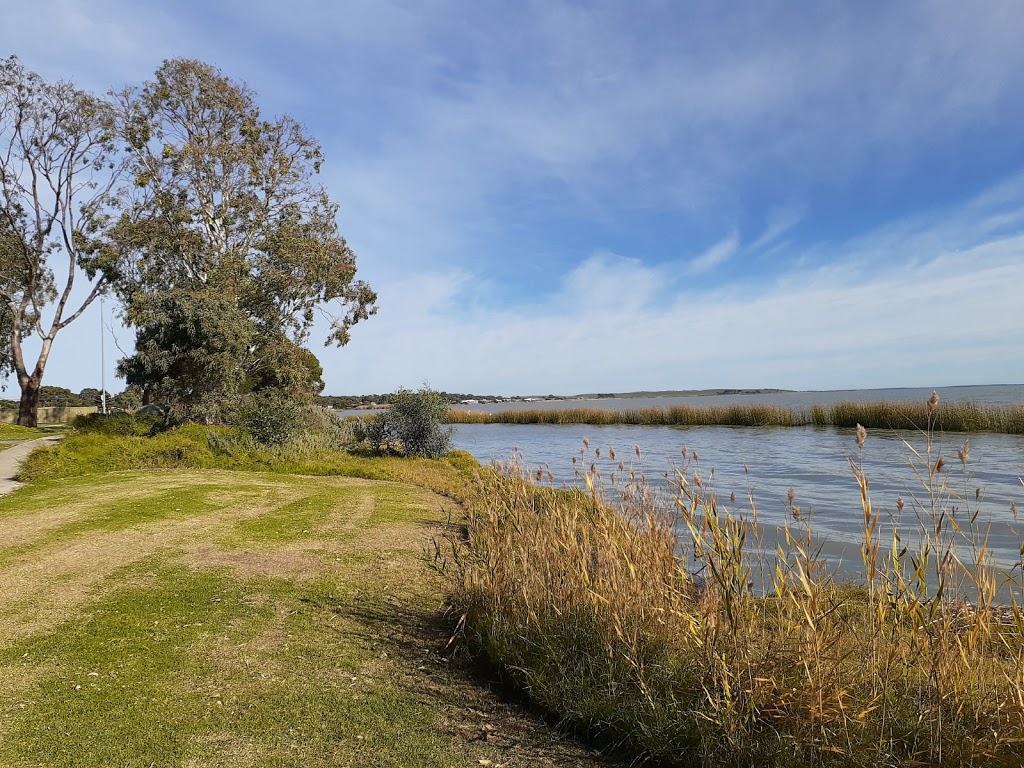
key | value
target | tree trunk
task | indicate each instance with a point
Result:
(28, 408)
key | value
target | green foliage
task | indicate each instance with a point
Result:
(281, 364)
(190, 347)
(121, 424)
(269, 417)
(229, 245)
(414, 425)
(129, 399)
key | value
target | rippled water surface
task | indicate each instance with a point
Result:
(814, 461)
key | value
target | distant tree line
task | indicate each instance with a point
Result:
(344, 402)
(61, 397)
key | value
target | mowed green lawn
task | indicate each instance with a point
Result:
(206, 618)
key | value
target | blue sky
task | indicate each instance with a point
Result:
(581, 196)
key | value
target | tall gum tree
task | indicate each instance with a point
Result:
(226, 234)
(58, 166)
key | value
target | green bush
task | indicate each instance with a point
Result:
(269, 417)
(122, 424)
(414, 425)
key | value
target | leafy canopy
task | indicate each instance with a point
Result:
(229, 246)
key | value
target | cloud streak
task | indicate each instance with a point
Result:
(716, 255)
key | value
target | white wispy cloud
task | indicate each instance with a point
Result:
(779, 222)
(716, 255)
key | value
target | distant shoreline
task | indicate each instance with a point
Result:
(370, 401)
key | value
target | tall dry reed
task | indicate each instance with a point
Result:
(962, 416)
(679, 636)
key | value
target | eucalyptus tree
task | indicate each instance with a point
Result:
(58, 166)
(229, 245)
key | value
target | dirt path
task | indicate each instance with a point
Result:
(11, 458)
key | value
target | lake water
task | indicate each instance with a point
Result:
(814, 461)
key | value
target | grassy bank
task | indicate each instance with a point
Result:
(210, 618)
(15, 432)
(648, 629)
(955, 417)
(197, 447)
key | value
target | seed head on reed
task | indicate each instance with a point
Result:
(790, 496)
(899, 503)
(964, 453)
(939, 464)
(586, 442)
(933, 402)
(597, 452)
(611, 454)
(862, 435)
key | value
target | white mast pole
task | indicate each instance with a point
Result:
(103, 365)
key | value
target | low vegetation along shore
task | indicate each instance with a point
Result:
(674, 635)
(197, 596)
(955, 417)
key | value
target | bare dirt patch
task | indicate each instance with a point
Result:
(292, 563)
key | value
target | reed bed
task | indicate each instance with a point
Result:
(963, 416)
(678, 415)
(661, 633)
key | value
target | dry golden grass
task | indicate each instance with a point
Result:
(962, 416)
(670, 633)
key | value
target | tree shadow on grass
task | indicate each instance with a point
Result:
(475, 706)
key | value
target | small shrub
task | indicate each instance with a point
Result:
(270, 417)
(414, 425)
(323, 427)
